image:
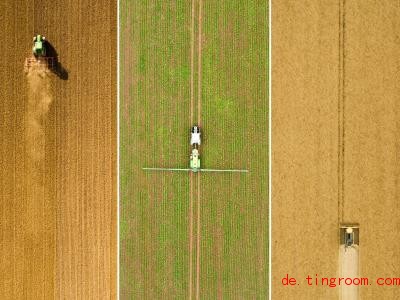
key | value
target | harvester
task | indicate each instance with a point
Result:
(39, 57)
(349, 235)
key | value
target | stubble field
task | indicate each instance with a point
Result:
(335, 142)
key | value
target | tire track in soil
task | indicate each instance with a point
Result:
(191, 235)
(341, 111)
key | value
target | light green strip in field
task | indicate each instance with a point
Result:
(234, 251)
(155, 69)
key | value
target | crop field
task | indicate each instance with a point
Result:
(335, 117)
(186, 235)
(58, 152)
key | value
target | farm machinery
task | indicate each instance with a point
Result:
(39, 56)
(194, 159)
(349, 235)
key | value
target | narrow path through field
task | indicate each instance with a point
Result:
(191, 174)
(341, 115)
(198, 175)
(198, 240)
(192, 182)
(191, 236)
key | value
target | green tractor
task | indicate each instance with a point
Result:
(39, 56)
(39, 49)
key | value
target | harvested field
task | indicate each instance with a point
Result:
(194, 235)
(335, 142)
(372, 138)
(58, 153)
(349, 268)
(304, 150)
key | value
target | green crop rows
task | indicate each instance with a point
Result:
(154, 131)
(235, 118)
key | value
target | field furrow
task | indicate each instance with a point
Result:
(58, 137)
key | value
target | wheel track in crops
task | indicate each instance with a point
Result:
(198, 175)
(192, 181)
(191, 174)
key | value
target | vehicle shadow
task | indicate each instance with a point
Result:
(57, 67)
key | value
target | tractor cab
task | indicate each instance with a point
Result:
(38, 46)
(195, 139)
(349, 237)
(39, 57)
(195, 160)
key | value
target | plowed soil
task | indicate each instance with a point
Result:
(58, 152)
(335, 116)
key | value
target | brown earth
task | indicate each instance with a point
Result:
(58, 153)
(335, 133)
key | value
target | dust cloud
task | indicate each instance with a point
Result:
(39, 100)
(39, 206)
(349, 268)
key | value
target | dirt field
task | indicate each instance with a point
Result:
(58, 153)
(194, 235)
(335, 151)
